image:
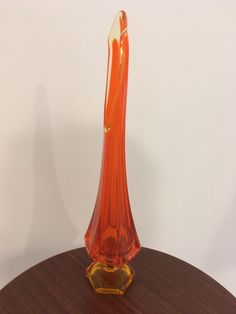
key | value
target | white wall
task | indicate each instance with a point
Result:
(181, 133)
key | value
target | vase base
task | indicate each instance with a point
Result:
(109, 280)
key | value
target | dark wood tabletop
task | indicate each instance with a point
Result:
(163, 284)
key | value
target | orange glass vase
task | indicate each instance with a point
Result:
(111, 239)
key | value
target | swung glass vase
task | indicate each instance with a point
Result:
(111, 238)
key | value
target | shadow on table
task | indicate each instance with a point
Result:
(50, 191)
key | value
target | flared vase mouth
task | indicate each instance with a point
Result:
(119, 27)
(117, 57)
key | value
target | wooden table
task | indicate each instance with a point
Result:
(163, 284)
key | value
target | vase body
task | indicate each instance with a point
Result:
(111, 238)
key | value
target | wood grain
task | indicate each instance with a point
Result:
(163, 284)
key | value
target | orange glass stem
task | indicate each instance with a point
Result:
(111, 238)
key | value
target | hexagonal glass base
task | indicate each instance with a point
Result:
(109, 280)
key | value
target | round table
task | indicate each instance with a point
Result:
(163, 284)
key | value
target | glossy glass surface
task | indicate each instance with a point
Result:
(110, 280)
(111, 238)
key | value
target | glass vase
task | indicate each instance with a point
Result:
(111, 238)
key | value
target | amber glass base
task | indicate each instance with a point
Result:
(109, 280)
